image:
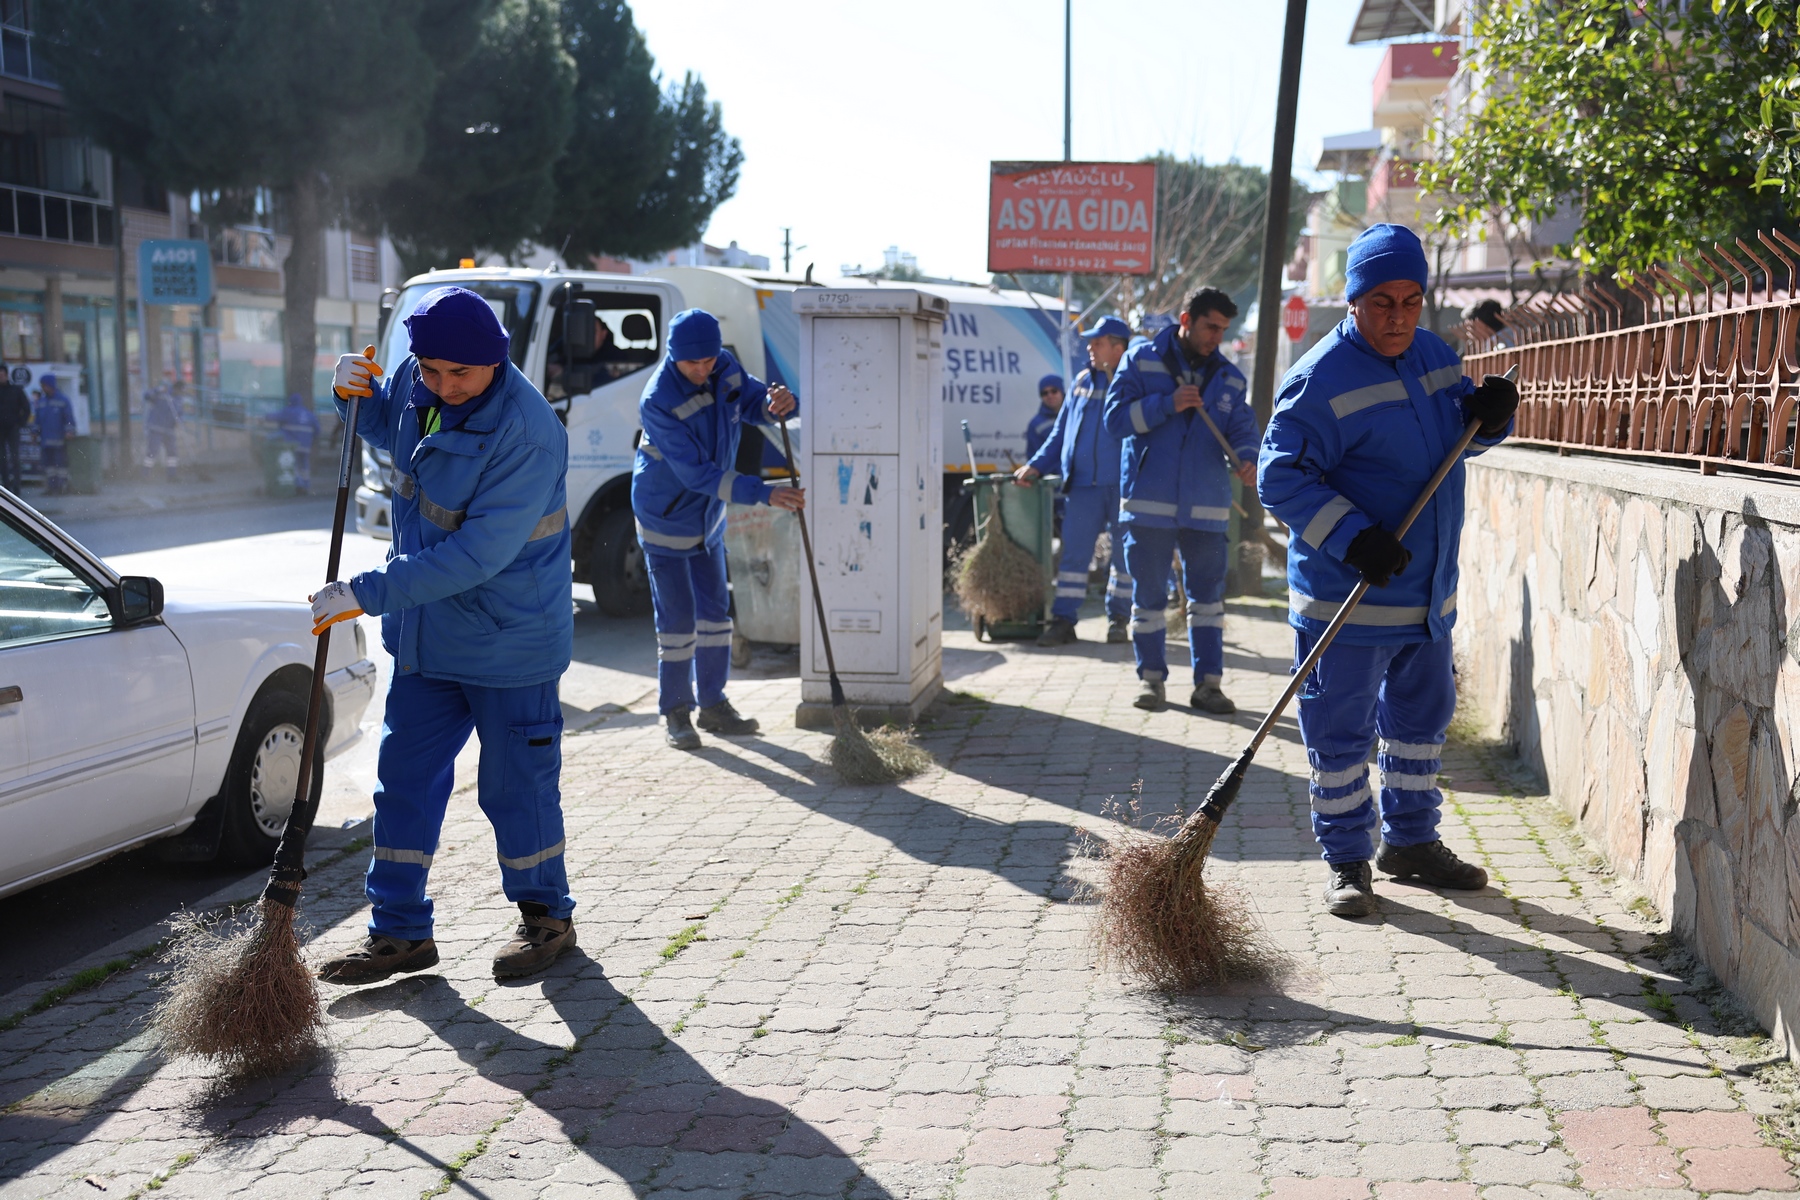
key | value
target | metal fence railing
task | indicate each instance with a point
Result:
(1698, 362)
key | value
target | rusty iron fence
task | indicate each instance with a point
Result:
(1697, 363)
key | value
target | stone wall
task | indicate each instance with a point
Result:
(1633, 631)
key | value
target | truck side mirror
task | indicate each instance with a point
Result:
(580, 329)
(389, 297)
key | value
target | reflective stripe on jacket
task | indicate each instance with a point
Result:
(684, 473)
(1354, 438)
(1079, 415)
(1174, 473)
(476, 585)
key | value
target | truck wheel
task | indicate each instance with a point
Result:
(616, 568)
(259, 783)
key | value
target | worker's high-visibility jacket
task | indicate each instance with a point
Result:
(1353, 440)
(476, 585)
(684, 471)
(1078, 446)
(1174, 473)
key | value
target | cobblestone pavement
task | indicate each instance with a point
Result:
(793, 987)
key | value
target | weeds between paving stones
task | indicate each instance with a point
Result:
(240, 995)
(997, 579)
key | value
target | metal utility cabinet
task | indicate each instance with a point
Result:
(871, 364)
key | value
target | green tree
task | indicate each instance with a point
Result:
(309, 98)
(1641, 115)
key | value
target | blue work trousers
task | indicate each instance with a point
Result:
(1090, 510)
(1405, 695)
(427, 723)
(693, 627)
(1149, 553)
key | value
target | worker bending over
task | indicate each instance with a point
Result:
(475, 607)
(693, 412)
(1362, 422)
(1175, 488)
(1079, 448)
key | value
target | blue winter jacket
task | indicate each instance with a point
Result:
(1353, 440)
(684, 471)
(1080, 425)
(55, 419)
(1174, 472)
(1039, 428)
(476, 585)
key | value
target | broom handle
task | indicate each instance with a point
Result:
(289, 867)
(837, 689)
(974, 474)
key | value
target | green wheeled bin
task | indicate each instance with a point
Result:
(278, 468)
(84, 464)
(1028, 513)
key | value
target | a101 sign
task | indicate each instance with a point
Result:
(1088, 218)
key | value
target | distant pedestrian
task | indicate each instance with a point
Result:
(55, 421)
(162, 422)
(298, 425)
(15, 415)
(1050, 402)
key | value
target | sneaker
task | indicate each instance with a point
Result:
(1117, 633)
(1058, 633)
(1152, 696)
(537, 942)
(1208, 698)
(722, 718)
(378, 957)
(1350, 892)
(681, 733)
(1431, 863)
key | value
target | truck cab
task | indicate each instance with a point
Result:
(586, 340)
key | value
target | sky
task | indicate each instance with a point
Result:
(867, 125)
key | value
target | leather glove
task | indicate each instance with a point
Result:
(353, 372)
(1492, 404)
(333, 603)
(1378, 554)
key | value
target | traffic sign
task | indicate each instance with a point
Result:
(1088, 218)
(174, 271)
(1295, 318)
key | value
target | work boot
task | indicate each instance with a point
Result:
(1431, 863)
(1208, 698)
(378, 957)
(1350, 892)
(1117, 633)
(1152, 696)
(1057, 633)
(681, 733)
(722, 718)
(536, 943)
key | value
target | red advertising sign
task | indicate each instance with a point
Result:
(1089, 218)
(1294, 318)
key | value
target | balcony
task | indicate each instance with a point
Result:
(54, 217)
(1410, 76)
(1394, 190)
(17, 57)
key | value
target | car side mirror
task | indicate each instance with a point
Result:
(137, 599)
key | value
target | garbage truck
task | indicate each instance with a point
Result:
(588, 340)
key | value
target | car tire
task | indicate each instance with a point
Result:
(616, 569)
(259, 784)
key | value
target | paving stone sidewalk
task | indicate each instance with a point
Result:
(790, 987)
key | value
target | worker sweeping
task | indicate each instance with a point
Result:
(1175, 488)
(1361, 423)
(693, 412)
(1079, 448)
(475, 607)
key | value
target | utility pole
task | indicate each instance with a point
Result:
(1068, 282)
(123, 463)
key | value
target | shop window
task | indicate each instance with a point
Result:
(21, 337)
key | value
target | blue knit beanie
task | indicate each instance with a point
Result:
(1381, 254)
(694, 334)
(1050, 381)
(458, 326)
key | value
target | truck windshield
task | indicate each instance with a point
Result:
(512, 301)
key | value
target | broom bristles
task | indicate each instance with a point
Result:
(242, 998)
(885, 756)
(996, 578)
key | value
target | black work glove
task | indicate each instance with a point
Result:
(1492, 404)
(1378, 554)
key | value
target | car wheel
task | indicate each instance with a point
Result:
(265, 769)
(616, 568)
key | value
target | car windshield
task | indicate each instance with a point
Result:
(511, 300)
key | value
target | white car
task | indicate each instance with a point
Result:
(125, 719)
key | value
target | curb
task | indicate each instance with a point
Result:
(129, 504)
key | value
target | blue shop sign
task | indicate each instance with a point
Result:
(174, 272)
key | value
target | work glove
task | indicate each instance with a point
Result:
(353, 372)
(1492, 404)
(1378, 554)
(333, 603)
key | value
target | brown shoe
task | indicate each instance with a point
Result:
(378, 957)
(536, 944)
